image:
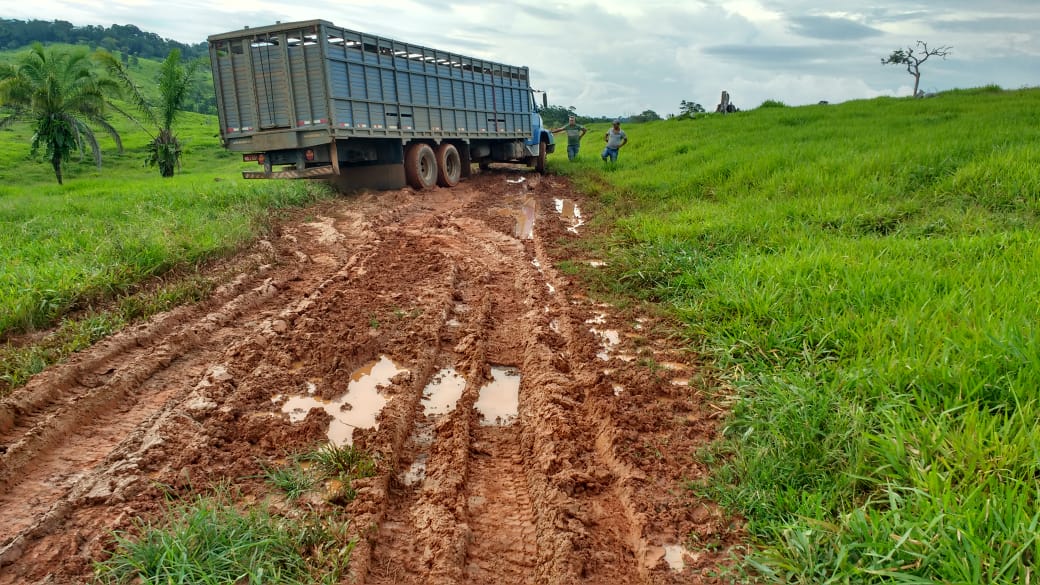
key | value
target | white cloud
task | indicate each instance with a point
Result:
(616, 57)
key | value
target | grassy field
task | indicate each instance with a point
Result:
(68, 248)
(867, 276)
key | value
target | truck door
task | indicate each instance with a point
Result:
(270, 81)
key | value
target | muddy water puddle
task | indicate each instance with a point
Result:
(609, 338)
(439, 398)
(523, 226)
(499, 399)
(357, 408)
(497, 403)
(570, 213)
(416, 472)
(443, 392)
(673, 555)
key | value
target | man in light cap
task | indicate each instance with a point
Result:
(615, 139)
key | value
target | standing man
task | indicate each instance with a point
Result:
(574, 133)
(615, 139)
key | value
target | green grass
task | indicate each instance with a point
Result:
(343, 464)
(867, 277)
(66, 250)
(214, 539)
(20, 362)
(210, 540)
(292, 480)
(336, 466)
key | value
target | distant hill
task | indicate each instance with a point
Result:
(121, 38)
(141, 52)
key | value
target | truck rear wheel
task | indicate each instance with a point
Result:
(449, 165)
(420, 166)
(539, 161)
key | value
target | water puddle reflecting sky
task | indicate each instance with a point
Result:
(443, 392)
(357, 408)
(570, 213)
(499, 400)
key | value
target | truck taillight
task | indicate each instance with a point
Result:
(309, 155)
(260, 159)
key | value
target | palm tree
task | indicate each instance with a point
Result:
(175, 82)
(58, 92)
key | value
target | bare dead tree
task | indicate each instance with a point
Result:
(913, 60)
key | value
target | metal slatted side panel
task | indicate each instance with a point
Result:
(246, 88)
(379, 86)
(308, 80)
(230, 111)
(238, 106)
(272, 85)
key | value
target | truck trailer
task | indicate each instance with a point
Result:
(312, 100)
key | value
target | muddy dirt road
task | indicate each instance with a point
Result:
(524, 433)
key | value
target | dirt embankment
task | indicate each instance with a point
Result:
(525, 433)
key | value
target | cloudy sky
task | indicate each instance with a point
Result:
(621, 57)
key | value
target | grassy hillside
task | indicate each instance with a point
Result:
(868, 277)
(65, 249)
(145, 73)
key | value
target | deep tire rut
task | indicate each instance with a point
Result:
(503, 533)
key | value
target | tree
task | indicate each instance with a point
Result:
(646, 116)
(58, 92)
(175, 83)
(913, 61)
(556, 116)
(689, 109)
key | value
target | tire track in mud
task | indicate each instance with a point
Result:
(93, 408)
(485, 511)
(441, 526)
(444, 286)
(504, 546)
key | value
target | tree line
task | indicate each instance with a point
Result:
(118, 38)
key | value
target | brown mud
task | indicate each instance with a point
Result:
(580, 480)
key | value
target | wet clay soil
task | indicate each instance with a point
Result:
(578, 480)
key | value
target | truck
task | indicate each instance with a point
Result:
(313, 100)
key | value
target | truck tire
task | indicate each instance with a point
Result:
(449, 165)
(539, 161)
(420, 166)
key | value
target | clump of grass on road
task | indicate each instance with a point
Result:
(342, 464)
(210, 540)
(339, 465)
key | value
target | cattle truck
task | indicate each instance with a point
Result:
(312, 100)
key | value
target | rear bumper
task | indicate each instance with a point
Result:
(312, 173)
